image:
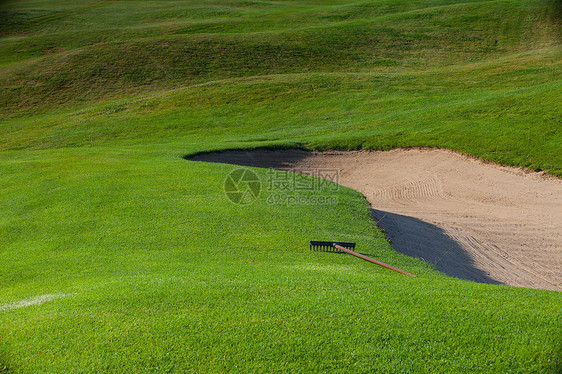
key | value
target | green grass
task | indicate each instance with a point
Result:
(162, 273)
(78, 55)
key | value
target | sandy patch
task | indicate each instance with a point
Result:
(473, 220)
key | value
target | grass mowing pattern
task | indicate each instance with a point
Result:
(100, 101)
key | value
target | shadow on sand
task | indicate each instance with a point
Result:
(270, 159)
(416, 238)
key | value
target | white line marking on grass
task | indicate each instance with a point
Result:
(34, 301)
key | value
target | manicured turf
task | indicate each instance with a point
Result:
(153, 268)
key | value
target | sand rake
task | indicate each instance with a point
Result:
(347, 248)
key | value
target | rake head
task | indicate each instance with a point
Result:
(329, 246)
(349, 248)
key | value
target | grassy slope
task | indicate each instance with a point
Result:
(502, 114)
(478, 77)
(73, 58)
(164, 273)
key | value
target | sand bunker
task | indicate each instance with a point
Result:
(473, 220)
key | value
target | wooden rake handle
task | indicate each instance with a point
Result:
(372, 260)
